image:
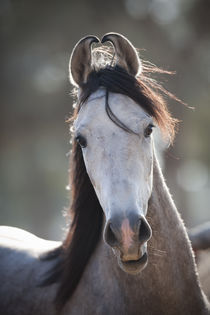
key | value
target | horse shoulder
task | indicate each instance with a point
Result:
(21, 271)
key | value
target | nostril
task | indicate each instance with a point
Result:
(109, 236)
(145, 231)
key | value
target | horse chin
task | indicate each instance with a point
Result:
(134, 267)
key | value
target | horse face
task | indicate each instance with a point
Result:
(120, 166)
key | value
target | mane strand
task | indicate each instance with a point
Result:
(83, 236)
(85, 231)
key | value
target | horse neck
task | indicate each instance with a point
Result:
(170, 280)
(170, 250)
(169, 232)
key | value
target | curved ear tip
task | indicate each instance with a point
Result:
(79, 63)
(135, 61)
(92, 38)
(104, 39)
(107, 36)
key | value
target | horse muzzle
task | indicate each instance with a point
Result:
(128, 237)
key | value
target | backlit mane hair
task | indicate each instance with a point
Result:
(85, 211)
(144, 90)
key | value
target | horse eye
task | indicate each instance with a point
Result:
(148, 130)
(81, 141)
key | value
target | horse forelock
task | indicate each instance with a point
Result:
(143, 90)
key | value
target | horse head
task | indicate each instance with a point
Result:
(115, 136)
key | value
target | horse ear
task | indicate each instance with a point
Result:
(80, 60)
(127, 56)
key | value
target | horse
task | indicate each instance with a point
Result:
(126, 250)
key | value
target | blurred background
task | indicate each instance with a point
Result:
(37, 38)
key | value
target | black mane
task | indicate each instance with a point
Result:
(85, 211)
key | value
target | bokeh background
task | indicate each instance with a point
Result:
(36, 41)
